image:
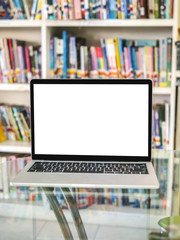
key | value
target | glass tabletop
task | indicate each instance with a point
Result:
(26, 213)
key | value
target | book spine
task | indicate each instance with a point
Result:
(125, 9)
(105, 59)
(65, 5)
(167, 110)
(19, 10)
(12, 60)
(38, 14)
(167, 9)
(118, 63)
(52, 63)
(24, 63)
(151, 9)
(169, 62)
(143, 9)
(77, 9)
(163, 62)
(112, 9)
(162, 9)
(26, 9)
(156, 9)
(7, 60)
(86, 8)
(157, 130)
(36, 64)
(29, 74)
(122, 58)
(33, 10)
(64, 36)
(20, 56)
(94, 72)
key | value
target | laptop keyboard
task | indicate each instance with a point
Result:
(74, 167)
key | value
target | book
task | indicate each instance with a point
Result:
(169, 62)
(15, 123)
(163, 62)
(121, 58)
(64, 36)
(111, 9)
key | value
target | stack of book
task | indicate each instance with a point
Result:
(19, 63)
(137, 198)
(70, 57)
(21, 9)
(15, 121)
(160, 126)
(109, 9)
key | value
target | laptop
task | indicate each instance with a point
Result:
(90, 133)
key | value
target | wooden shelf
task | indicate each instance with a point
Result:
(14, 87)
(110, 23)
(162, 90)
(20, 23)
(25, 87)
(89, 23)
(15, 147)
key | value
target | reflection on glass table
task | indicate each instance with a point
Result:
(26, 213)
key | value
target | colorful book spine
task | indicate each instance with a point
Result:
(33, 10)
(94, 65)
(101, 70)
(163, 62)
(64, 36)
(29, 74)
(77, 9)
(169, 62)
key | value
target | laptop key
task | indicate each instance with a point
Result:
(106, 168)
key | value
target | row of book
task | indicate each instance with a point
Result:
(160, 125)
(15, 122)
(109, 9)
(137, 198)
(19, 63)
(21, 9)
(70, 57)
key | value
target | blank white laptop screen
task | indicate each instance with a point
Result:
(91, 119)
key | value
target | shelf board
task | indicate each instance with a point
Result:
(25, 87)
(14, 87)
(161, 90)
(15, 147)
(111, 23)
(20, 23)
(88, 23)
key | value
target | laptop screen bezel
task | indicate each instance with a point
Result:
(91, 157)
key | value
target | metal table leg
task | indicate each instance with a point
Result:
(58, 213)
(75, 213)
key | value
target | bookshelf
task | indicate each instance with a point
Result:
(40, 32)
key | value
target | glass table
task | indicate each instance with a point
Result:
(91, 213)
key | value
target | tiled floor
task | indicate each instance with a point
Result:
(22, 229)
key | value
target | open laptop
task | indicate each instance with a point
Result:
(90, 133)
